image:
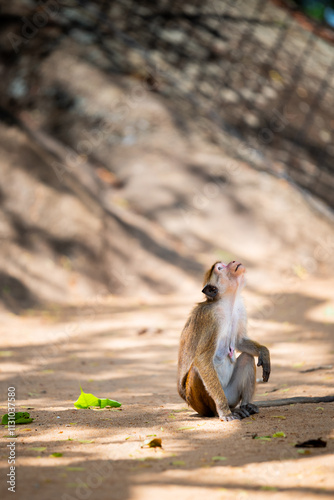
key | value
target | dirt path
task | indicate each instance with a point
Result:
(128, 352)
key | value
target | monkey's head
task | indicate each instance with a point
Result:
(223, 279)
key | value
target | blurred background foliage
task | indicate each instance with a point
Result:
(320, 11)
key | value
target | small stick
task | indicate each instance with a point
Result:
(323, 367)
(293, 401)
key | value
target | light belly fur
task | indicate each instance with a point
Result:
(224, 369)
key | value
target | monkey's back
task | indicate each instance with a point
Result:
(192, 340)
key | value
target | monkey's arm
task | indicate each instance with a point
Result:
(204, 364)
(255, 349)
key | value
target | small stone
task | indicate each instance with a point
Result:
(229, 95)
(251, 120)
(269, 92)
(325, 136)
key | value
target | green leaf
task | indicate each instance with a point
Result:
(178, 462)
(279, 435)
(109, 402)
(302, 451)
(86, 400)
(38, 448)
(218, 458)
(56, 454)
(319, 408)
(279, 416)
(263, 438)
(21, 417)
(184, 428)
(6, 354)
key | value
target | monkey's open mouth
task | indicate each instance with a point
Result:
(238, 267)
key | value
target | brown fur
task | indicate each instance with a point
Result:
(197, 396)
(202, 343)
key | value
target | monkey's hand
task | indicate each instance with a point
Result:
(226, 415)
(264, 361)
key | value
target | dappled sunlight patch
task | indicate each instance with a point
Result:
(323, 313)
(12, 367)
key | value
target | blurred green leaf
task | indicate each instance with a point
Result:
(21, 417)
(302, 451)
(279, 435)
(263, 438)
(6, 354)
(86, 400)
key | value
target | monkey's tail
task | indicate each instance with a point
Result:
(294, 401)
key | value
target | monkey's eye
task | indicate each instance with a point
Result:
(220, 268)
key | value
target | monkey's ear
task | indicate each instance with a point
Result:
(210, 291)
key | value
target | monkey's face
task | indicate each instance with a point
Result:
(224, 279)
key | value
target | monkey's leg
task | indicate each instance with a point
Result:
(197, 396)
(242, 385)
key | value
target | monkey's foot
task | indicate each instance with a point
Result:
(233, 416)
(249, 409)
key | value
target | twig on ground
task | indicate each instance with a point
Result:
(293, 401)
(323, 367)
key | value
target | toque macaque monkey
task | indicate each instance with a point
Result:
(211, 379)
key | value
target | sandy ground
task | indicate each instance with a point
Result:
(127, 351)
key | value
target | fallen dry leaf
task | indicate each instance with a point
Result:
(153, 443)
